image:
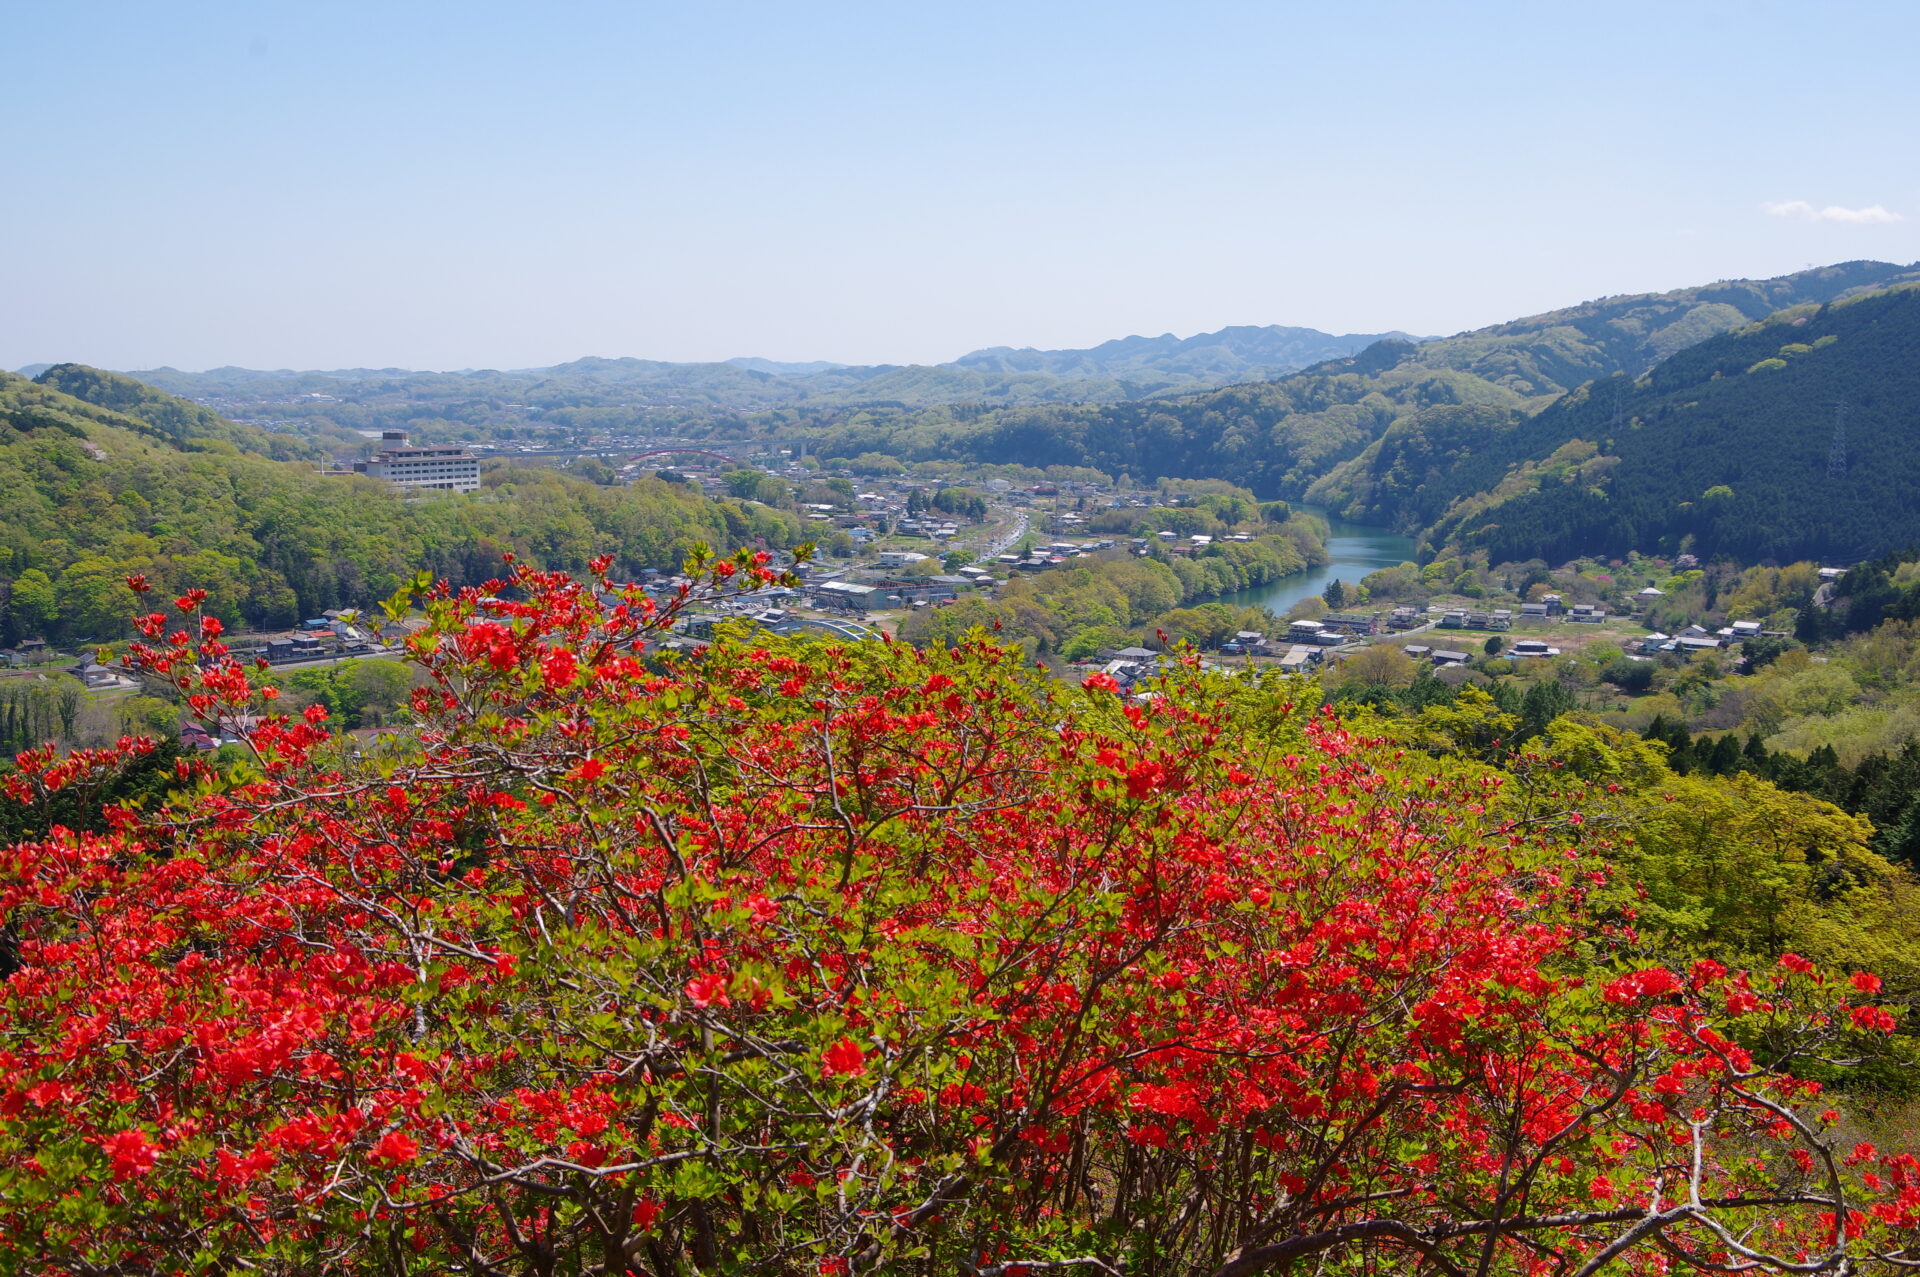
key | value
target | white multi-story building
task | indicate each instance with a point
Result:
(449, 469)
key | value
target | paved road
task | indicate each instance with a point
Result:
(999, 547)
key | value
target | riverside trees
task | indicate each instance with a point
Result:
(807, 958)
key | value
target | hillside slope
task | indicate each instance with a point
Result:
(1310, 434)
(179, 422)
(1726, 448)
(90, 495)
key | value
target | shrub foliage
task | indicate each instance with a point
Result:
(786, 958)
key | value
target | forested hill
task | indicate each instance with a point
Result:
(91, 494)
(1310, 433)
(1726, 448)
(67, 398)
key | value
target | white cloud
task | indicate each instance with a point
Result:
(1872, 215)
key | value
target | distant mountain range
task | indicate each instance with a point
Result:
(1239, 353)
(1697, 419)
(1375, 434)
(1116, 371)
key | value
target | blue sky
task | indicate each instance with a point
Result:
(505, 185)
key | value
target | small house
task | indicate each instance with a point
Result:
(1298, 659)
(96, 675)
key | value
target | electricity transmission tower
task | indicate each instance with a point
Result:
(1837, 453)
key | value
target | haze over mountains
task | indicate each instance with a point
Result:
(1123, 369)
(1592, 429)
(1238, 353)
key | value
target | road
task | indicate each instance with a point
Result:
(999, 547)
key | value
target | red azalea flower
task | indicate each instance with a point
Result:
(131, 1152)
(394, 1149)
(843, 1058)
(708, 990)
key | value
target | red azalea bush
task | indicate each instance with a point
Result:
(798, 958)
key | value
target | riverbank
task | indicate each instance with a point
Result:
(1353, 551)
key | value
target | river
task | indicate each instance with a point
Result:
(1353, 550)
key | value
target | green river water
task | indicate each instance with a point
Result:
(1353, 551)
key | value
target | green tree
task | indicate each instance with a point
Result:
(1765, 650)
(1629, 676)
(373, 691)
(1903, 840)
(33, 607)
(1546, 700)
(1377, 665)
(94, 602)
(1093, 640)
(271, 602)
(149, 716)
(754, 485)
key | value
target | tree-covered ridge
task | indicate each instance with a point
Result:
(30, 407)
(91, 495)
(1726, 448)
(1316, 426)
(1269, 436)
(170, 419)
(1402, 479)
